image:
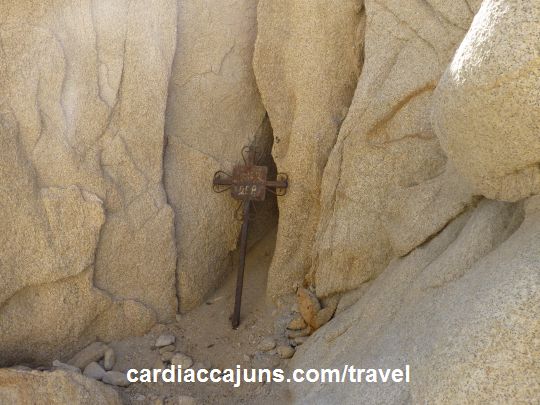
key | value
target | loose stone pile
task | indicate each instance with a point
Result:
(170, 356)
(96, 361)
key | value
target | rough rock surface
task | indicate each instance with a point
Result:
(486, 107)
(90, 354)
(387, 186)
(85, 219)
(58, 387)
(307, 61)
(462, 311)
(214, 110)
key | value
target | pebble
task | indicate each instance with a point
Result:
(300, 339)
(168, 348)
(67, 367)
(158, 364)
(94, 370)
(180, 359)
(297, 323)
(292, 334)
(93, 352)
(165, 340)
(115, 378)
(167, 356)
(266, 344)
(109, 359)
(285, 351)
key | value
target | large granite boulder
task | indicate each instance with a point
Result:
(307, 60)
(214, 110)
(462, 311)
(21, 387)
(387, 186)
(86, 233)
(486, 108)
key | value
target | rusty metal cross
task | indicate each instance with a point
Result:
(248, 183)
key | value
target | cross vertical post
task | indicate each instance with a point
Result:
(248, 183)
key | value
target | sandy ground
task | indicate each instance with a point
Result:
(205, 334)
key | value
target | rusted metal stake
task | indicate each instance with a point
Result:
(241, 266)
(247, 183)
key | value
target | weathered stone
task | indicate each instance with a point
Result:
(109, 358)
(351, 297)
(45, 305)
(387, 186)
(168, 348)
(297, 323)
(292, 334)
(91, 353)
(214, 110)
(266, 344)
(167, 356)
(461, 310)
(81, 129)
(285, 351)
(180, 359)
(165, 340)
(158, 364)
(116, 378)
(94, 370)
(56, 387)
(306, 83)
(300, 340)
(486, 111)
(308, 305)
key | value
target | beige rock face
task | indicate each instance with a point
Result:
(462, 311)
(486, 109)
(58, 387)
(387, 186)
(214, 110)
(85, 219)
(307, 61)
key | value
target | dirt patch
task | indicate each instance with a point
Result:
(205, 334)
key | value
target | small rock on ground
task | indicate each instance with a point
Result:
(180, 359)
(165, 340)
(300, 340)
(292, 334)
(109, 359)
(115, 378)
(94, 370)
(285, 351)
(297, 323)
(158, 364)
(93, 352)
(168, 348)
(266, 344)
(167, 356)
(308, 305)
